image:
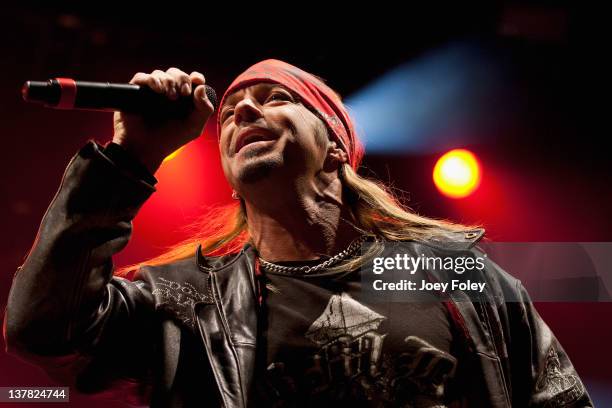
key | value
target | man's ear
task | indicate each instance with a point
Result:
(335, 156)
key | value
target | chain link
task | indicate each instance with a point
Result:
(306, 270)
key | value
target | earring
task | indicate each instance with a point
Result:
(235, 195)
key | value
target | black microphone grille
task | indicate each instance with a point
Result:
(212, 96)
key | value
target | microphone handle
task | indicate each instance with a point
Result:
(63, 93)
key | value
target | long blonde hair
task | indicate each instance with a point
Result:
(377, 212)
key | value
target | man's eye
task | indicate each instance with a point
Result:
(279, 96)
(226, 115)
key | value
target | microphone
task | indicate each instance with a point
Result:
(66, 93)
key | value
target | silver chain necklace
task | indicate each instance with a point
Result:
(310, 269)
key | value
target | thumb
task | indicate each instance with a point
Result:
(201, 102)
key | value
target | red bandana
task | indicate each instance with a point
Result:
(313, 92)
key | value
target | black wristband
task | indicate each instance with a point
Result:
(125, 160)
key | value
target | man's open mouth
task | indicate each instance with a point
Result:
(253, 135)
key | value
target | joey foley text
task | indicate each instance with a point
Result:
(409, 265)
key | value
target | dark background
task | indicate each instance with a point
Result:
(546, 167)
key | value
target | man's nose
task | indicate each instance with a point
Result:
(247, 110)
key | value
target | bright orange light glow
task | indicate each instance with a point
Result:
(457, 173)
(174, 154)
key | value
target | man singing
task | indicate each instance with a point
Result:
(264, 306)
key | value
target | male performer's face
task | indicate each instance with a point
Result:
(267, 133)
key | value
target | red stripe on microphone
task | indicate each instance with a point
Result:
(67, 93)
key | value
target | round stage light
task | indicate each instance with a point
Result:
(457, 173)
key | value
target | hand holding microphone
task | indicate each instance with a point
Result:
(155, 114)
(152, 139)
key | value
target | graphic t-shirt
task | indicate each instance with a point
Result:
(322, 344)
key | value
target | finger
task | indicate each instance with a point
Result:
(170, 86)
(160, 76)
(150, 81)
(140, 78)
(197, 78)
(200, 100)
(182, 79)
(200, 92)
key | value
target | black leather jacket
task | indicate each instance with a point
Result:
(104, 334)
